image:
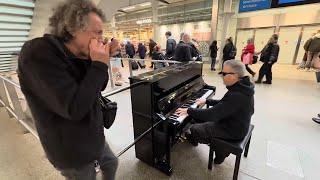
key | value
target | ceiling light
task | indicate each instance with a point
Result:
(128, 8)
(145, 4)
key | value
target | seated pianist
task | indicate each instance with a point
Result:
(228, 118)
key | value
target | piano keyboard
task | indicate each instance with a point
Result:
(191, 104)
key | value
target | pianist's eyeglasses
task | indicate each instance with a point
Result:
(225, 73)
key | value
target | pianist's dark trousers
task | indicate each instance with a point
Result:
(204, 132)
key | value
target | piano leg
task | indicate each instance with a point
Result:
(168, 144)
(164, 165)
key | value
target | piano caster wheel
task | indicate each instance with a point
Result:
(164, 167)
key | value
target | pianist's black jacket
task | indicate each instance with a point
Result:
(232, 114)
(62, 92)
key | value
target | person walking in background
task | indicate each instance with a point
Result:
(247, 55)
(115, 63)
(157, 55)
(305, 47)
(213, 54)
(171, 46)
(152, 45)
(142, 50)
(195, 53)
(130, 51)
(313, 51)
(269, 56)
(183, 50)
(229, 51)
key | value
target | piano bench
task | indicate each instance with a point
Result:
(233, 147)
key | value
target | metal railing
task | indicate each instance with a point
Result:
(10, 100)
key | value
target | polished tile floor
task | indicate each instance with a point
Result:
(285, 143)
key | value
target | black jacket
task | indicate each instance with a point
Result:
(183, 52)
(213, 51)
(152, 44)
(227, 51)
(195, 52)
(315, 44)
(142, 50)
(232, 114)
(170, 47)
(130, 49)
(270, 53)
(62, 92)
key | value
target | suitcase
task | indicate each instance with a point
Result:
(134, 65)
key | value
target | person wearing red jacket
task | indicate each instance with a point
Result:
(247, 55)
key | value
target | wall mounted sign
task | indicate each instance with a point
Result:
(254, 5)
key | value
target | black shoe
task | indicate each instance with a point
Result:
(266, 82)
(191, 139)
(317, 120)
(258, 82)
(218, 160)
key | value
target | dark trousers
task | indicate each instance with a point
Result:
(141, 63)
(204, 132)
(150, 55)
(249, 70)
(108, 166)
(213, 62)
(266, 70)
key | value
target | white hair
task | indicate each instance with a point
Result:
(186, 37)
(237, 66)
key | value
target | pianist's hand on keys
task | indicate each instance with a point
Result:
(201, 102)
(182, 112)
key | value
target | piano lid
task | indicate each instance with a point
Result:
(158, 74)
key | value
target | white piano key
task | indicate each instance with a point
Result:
(205, 96)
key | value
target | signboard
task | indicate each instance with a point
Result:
(283, 3)
(289, 1)
(253, 5)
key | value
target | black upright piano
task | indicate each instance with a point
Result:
(154, 102)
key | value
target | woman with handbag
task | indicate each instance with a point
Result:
(247, 56)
